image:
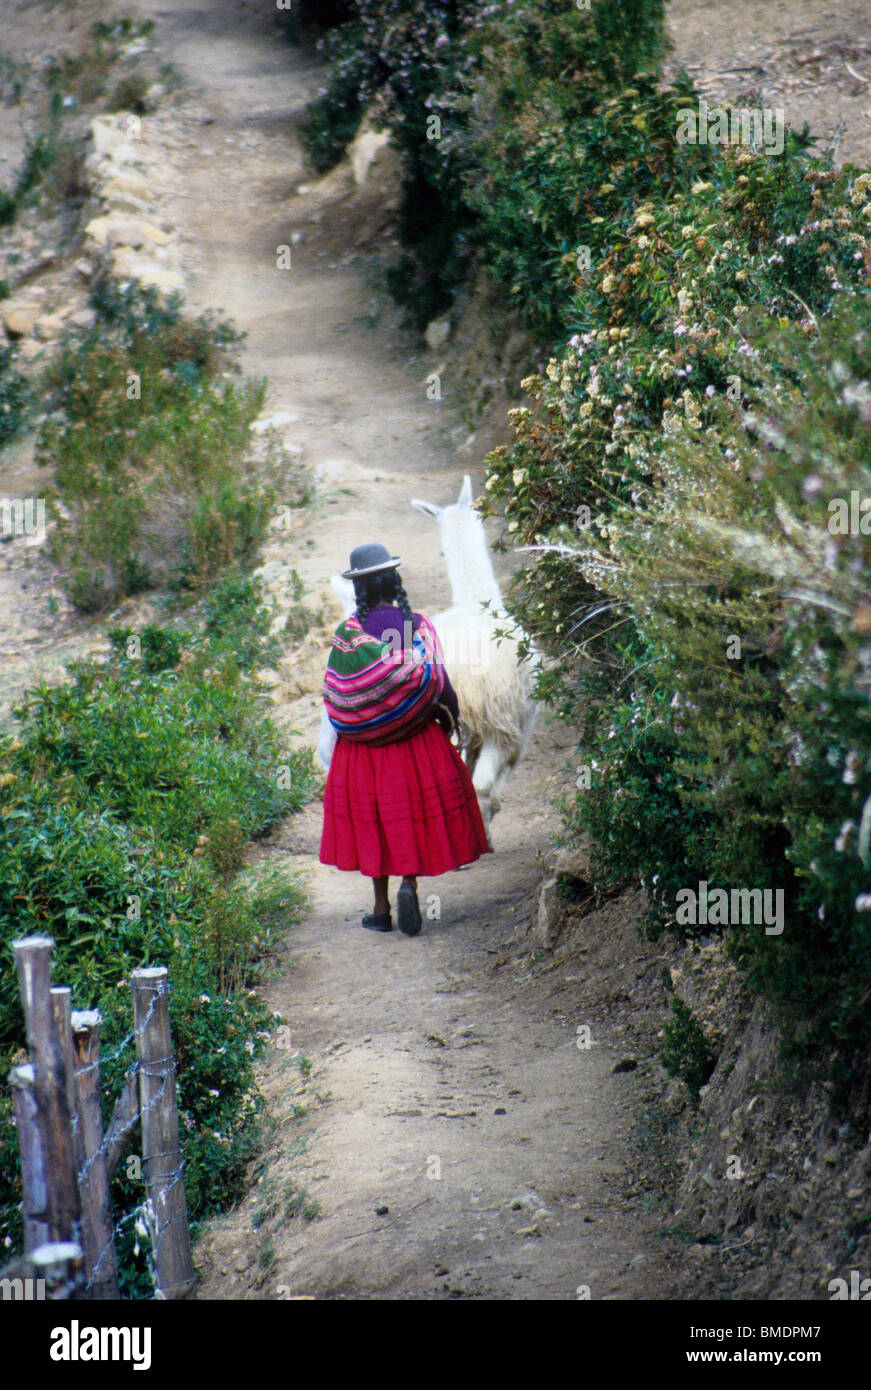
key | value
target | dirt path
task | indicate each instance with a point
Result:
(450, 1083)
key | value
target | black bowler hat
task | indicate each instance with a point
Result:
(370, 559)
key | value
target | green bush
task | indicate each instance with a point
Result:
(727, 727)
(713, 372)
(465, 90)
(149, 444)
(129, 94)
(547, 163)
(775, 743)
(658, 335)
(686, 1051)
(126, 801)
(238, 617)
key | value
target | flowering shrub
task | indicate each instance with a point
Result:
(659, 338)
(673, 469)
(727, 723)
(554, 181)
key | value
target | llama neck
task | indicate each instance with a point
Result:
(468, 561)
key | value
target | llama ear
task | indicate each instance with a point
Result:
(428, 508)
(466, 493)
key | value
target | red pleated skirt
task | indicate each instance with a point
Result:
(407, 808)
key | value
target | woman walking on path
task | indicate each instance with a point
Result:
(399, 799)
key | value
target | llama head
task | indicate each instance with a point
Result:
(463, 504)
(465, 547)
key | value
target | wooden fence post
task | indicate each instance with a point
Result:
(33, 959)
(34, 1182)
(161, 1152)
(98, 1236)
(66, 1161)
(61, 1008)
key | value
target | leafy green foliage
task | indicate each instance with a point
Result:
(659, 334)
(548, 162)
(686, 1050)
(727, 727)
(465, 90)
(332, 118)
(708, 399)
(237, 617)
(149, 443)
(126, 802)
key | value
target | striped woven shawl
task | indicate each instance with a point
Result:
(376, 691)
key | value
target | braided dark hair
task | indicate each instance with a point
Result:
(385, 587)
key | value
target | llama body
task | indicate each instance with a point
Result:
(482, 654)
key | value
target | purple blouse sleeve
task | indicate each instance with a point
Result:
(449, 698)
(386, 619)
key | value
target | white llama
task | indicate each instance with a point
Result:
(481, 645)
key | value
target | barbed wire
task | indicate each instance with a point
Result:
(145, 1214)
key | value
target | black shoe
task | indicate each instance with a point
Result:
(378, 921)
(409, 910)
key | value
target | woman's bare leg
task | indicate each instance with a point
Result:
(381, 900)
